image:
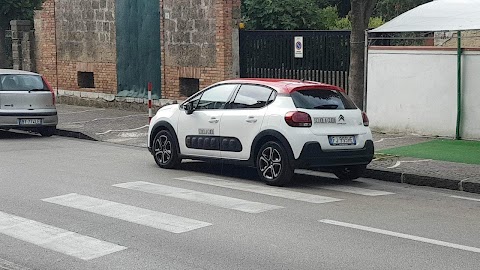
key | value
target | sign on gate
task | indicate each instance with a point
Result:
(298, 47)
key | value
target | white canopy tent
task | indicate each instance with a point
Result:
(436, 16)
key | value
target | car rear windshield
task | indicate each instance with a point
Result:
(21, 82)
(322, 99)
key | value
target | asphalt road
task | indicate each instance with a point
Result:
(74, 204)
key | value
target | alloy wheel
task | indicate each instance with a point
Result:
(163, 149)
(270, 163)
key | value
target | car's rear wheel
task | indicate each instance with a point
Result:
(165, 150)
(47, 131)
(273, 165)
(349, 173)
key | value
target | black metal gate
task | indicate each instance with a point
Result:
(270, 54)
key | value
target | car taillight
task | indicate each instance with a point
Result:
(366, 122)
(49, 88)
(298, 119)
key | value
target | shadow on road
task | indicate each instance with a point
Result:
(217, 170)
(16, 135)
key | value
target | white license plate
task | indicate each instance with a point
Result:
(341, 140)
(29, 122)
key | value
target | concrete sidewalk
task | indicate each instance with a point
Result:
(131, 127)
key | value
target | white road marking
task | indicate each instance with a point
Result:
(401, 235)
(82, 111)
(357, 190)
(157, 220)
(398, 163)
(265, 190)
(56, 239)
(201, 197)
(465, 198)
(343, 188)
(392, 138)
(108, 118)
(121, 130)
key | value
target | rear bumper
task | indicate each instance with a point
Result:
(312, 156)
(10, 119)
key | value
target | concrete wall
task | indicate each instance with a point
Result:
(85, 42)
(415, 90)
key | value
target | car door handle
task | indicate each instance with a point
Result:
(213, 120)
(251, 119)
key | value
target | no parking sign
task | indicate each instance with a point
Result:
(298, 47)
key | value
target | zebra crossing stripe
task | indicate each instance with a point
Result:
(56, 239)
(157, 220)
(201, 197)
(260, 189)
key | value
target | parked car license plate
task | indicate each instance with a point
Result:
(341, 140)
(29, 122)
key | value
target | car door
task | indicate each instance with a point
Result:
(199, 132)
(242, 120)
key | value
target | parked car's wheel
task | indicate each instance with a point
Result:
(273, 165)
(47, 131)
(348, 173)
(165, 150)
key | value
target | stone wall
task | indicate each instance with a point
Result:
(85, 43)
(199, 40)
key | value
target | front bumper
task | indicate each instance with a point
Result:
(312, 156)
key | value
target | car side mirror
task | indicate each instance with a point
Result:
(188, 107)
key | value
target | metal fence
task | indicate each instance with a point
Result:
(270, 54)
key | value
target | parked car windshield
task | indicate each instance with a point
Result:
(15, 82)
(322, 99)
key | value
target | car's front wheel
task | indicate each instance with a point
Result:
(165, 150)
(273, 165)
(348, 173)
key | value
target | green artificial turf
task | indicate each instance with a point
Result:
(446, 150)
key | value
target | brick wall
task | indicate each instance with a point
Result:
(85, 42)
(195, 64)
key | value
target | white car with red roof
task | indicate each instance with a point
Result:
(274, 125)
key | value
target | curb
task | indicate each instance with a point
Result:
(468, 185)
(73, 134)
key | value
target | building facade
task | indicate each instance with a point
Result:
(110, 47)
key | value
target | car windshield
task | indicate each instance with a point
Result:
(321, 99)
(22, 82)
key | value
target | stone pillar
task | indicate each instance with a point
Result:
(22, 45)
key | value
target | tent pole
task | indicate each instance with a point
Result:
(459, 84)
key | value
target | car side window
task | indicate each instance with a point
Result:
(215, 98)
(252, 97)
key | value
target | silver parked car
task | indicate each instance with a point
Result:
(27, 102)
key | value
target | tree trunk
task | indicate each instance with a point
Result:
(3, 56)
(360, 14)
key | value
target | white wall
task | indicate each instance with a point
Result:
(415, 91)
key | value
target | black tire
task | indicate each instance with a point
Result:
(273, 164)
(47, 131)
(348, 173)
(165, 152)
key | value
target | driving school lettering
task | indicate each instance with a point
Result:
(324, 120)
(206, 131)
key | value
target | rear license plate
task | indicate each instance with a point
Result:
(29, 122)
(341, 140)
